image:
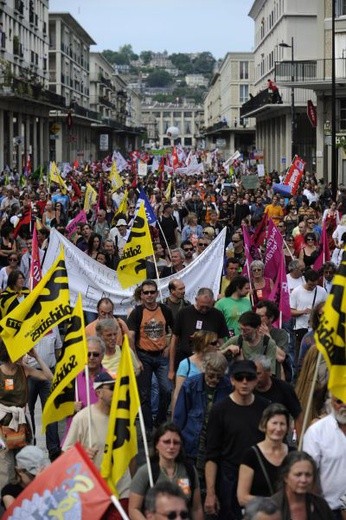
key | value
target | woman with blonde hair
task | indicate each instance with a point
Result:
(203, 342)
(192, 230)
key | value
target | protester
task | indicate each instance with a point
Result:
(298, 477)
(235, 303)
(228, 439)
(260, 466)
(168, 464)
(165, 499)
(29, 461)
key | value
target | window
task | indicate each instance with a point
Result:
(188, 141)
(187, 114)
(244, 70)
(342, 114)
(340, 7)
(243, 93)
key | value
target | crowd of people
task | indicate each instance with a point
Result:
(223, 380)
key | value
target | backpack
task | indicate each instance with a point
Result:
(190, 470)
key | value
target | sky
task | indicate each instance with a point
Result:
(217, 26)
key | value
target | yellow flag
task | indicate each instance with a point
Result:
(45, 307)
(121, 440)
(132, 268)
(90, 197)
(168, 190)
(55, 176)
(115, 178)
(38, 224)
(330, 335)
(74, 357)
(122, 209)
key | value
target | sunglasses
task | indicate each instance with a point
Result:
(13, 259)
(93, 354)
(110, 387)
(255, 269)
(338, 401)
(149, 292)
(188, 249)
(171, 441)
(247, 377)
(172, 515)
(214, 343)
(202, 244)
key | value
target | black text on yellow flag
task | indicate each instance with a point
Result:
(45, 307)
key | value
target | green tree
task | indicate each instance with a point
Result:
(204, 63)
(182, 62)
(146, 57)
(159, 78)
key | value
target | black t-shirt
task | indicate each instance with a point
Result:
(282, 393)
(168, 225)
(12, 490)
(260, 486)
(232, 429)
(189, 320)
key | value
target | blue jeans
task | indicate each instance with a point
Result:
(158, 365)
(38, 388)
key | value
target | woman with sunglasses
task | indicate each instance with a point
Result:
(13, 262)
(203, 342)
(309, 251)
(261, 464)
(168, 463)
(262, 286)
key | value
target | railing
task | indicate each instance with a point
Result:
(217, 126)
(26, 89)
(105, 101)
(85, 112)
(105, 81)
(256, 102)
(309, 71)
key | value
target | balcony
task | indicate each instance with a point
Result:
(105, 101)
(315, 75)
(85, 112)
(30, 91)
(105, 81)
(19, 7)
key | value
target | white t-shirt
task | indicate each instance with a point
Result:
(294, 282)
(301, 298)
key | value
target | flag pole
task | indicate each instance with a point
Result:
(164, 238)
(145, 443)
(119, 507)
(88, 404)
(309, 403)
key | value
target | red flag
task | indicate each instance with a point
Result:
(160, 181)
(324, 254)
(35, 266)
(24, 220)
(70, 486)
(294, 174)
(101, 203)
(260, 232)
(76, 164)
(76, 188)
(175, 158)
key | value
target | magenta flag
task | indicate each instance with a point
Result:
(274, 251)
(251, 251)
(324, 254)
(280, 293)
(71, 227)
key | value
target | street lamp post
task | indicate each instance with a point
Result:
(293, 114)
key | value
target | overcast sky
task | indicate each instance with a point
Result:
(218, 26)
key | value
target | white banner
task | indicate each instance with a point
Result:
(94, 280)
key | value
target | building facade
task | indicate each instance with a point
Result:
(230, 87)
(25, 101)
(158, 117)
(285, 31)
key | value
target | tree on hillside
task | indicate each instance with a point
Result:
(182, 62)
(146, 56)
(204, 63)
(123, 56)
(159, 78)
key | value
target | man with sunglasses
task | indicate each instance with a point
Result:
(188, 249)
(232, 429)
(148, 326)
(166, 500)
(80, 429)
(325, 441)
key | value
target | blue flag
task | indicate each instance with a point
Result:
(151, 217)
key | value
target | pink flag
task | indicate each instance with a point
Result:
(251, 250)
(274, 251)
(324, 254)
(35, 266)
(71, 227)
(280, 293)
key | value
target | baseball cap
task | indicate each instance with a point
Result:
(209, 231)
(244, 366)
(121, 222)
(103, 379)
(32, 459)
